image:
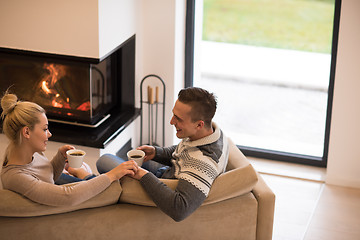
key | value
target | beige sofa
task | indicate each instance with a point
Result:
(240, 206)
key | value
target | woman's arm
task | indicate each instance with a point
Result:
(58, 161)
(57, 195)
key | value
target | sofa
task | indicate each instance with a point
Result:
(240, 206)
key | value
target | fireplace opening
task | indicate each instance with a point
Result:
(72, 90)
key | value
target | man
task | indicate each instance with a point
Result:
(196, 161)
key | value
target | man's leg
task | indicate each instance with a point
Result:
(156, 168)
(107, 162)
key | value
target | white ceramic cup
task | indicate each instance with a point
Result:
(75, 157)
(136, 155)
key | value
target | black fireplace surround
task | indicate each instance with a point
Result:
(88, 101)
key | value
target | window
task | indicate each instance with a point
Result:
(268, 119)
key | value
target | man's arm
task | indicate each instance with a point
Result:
(163, 155)
(178, 204)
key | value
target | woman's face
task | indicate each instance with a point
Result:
(40, 134)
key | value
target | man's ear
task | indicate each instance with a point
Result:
(25, 132)
(200, 124)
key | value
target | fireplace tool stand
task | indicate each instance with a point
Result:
(154, 82)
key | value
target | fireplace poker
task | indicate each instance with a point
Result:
(151, 115)
(148, 92)
(156, 111)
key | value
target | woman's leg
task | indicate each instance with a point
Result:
(65, 179)
(107, 162)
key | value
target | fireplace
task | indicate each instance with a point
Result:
(80, 95)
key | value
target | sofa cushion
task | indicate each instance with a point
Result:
(15, 205)
(239, 179)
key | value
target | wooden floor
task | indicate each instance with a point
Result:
(309, 209)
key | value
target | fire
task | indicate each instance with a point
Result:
(84, 107)
(45, 88)
(54, 73)
(54, 103)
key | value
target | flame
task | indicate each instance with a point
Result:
(84, 107)
(54, 103)
(56, 72)
(45, 88)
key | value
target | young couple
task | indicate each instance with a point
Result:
(196, 161)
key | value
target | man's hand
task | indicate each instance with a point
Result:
(129, 168)
(149, 152)
(140, 173)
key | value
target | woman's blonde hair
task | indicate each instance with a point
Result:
(16, 115)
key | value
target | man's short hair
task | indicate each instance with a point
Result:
(203, 104)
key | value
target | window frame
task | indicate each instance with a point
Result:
(265, 153)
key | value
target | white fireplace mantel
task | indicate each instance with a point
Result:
(82, 28)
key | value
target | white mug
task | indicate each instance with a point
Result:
(75, 157)
(136, 155)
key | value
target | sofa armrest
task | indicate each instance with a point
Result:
(16, 205)
(266, 208)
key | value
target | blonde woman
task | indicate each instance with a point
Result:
(27, 171)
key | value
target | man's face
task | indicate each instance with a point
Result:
(182, 121)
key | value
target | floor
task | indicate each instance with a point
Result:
(309, 209)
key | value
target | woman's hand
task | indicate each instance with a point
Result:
(77, 172)
(125, 168)
(149, 152)
(64, 149)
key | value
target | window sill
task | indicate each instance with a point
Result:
(285, 169)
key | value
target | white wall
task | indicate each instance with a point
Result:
(84, 28)
(59, 27)
(344, 150)
(117, 23)
(161, 39)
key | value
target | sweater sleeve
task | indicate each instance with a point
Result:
(56, 195)
(58, 163)
(164, 154)
(178, 203)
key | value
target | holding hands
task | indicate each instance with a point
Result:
(129, 168)
(149, 154)
(126, 168)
